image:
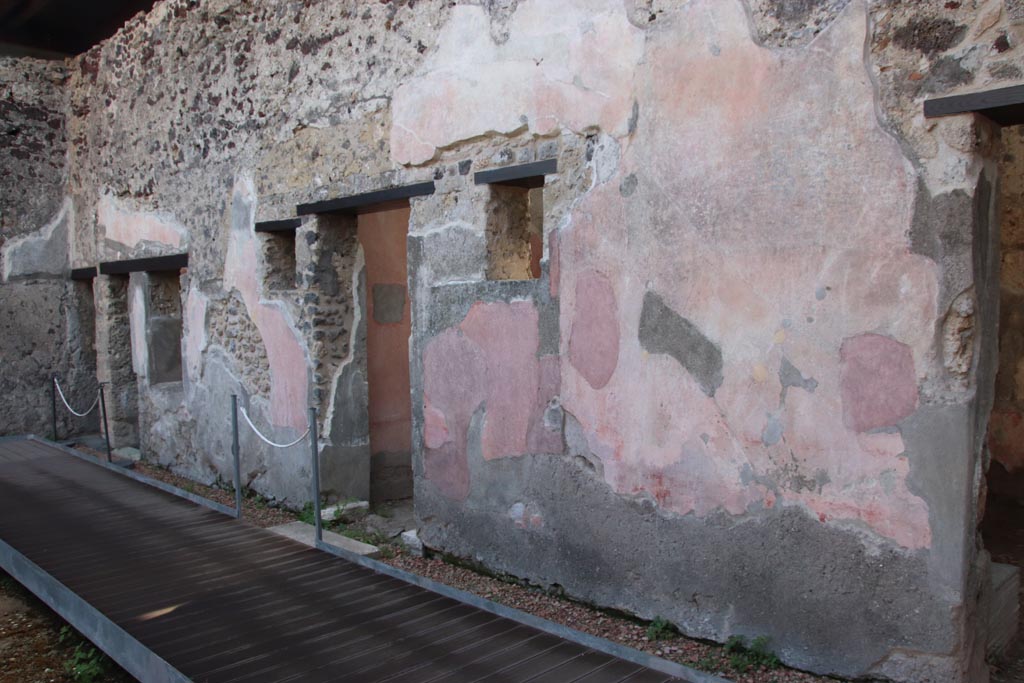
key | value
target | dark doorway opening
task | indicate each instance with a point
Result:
(1003, 522)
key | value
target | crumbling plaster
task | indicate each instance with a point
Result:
(792, 347)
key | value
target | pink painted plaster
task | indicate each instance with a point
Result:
(508, 336)
(489, 359)
(286, 354)
(132, 228)
(566, 63)
(769, 248)
(878, 383)
(454, 381)
(743, 223)
(594, 340)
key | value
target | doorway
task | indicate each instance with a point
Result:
(1003, 522)
(382, 235)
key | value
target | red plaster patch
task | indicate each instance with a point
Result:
(878, 382)
(454, 376)
(509, 337)
(594, 340)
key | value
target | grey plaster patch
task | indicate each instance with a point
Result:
(790, 376)
(634, 117)
(164, 336)
(619, 551)
(939, 448)
(550, 331)
(44, 252)
(628, 185)
(455, 253)
(449, 304)
(577, 448)
(772, 432)
(662, 330)
(345, 462)
(941, 230)
(388, 303)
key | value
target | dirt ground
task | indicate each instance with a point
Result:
(37, 647)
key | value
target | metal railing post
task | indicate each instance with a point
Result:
(106, 425)
(53, 402)
(234, 455)
(316, 476)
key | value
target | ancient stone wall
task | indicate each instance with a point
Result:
(47, 321)
(751, 316)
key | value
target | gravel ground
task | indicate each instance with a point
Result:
(32, 649)
(708, 657)
(735, 665)
(255, 510)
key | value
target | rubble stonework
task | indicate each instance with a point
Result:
(732, 366)
(46, 322)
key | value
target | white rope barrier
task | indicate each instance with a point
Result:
(60, 392)
(265, 439)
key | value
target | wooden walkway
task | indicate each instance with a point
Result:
(175, 591)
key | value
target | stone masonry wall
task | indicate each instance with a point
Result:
(46, 321)
(759, 358)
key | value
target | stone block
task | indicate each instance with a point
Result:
(164, 349)
(306, 534)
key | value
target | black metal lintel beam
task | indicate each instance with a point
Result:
(368, 201)
(152, 264)
(524, 175)
(1005, 106)
(83, 273)
(286, 225)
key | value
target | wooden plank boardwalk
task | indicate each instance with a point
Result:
(175, 591)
